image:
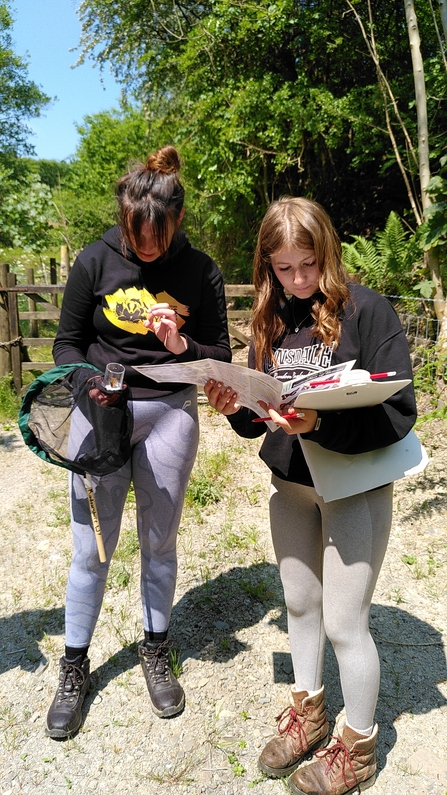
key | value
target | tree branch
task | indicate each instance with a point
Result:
(386, 89)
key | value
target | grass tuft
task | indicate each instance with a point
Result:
(9, 400)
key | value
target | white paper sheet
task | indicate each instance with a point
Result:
(250, 385)
(336, 475)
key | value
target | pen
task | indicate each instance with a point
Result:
(285, 416)
(337, 380)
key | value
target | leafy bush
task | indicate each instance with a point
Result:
(26, 211)
(433, 232)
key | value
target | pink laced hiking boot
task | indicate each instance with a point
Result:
(347, 766)
(302, 727)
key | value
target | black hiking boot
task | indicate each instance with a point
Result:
(65, 714)
(167, 696)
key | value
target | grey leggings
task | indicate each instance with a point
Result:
(329, 557)
(164, 447)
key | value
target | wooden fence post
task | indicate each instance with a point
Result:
(65, 263)
(5, 349)
(53, 279)
(14, 331)
(34, 331)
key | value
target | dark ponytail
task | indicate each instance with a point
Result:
(151, 192)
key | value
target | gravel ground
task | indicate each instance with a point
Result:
(229, 625)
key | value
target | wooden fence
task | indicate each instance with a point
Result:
(14, 356)
(421, 329)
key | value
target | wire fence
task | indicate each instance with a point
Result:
(422, 331)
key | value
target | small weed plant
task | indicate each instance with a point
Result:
(208, 479)
(259, 592)
(175, 663)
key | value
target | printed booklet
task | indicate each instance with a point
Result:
(337, 387)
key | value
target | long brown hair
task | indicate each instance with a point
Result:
(299, 223)
(151, 192)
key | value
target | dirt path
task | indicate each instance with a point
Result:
(229, 623)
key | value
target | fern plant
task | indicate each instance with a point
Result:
(392, 245)
(363, 258)
(389, 262)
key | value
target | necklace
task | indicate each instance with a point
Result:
(298, 325)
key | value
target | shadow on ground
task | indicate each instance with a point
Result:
(205, 623)
(21, 633)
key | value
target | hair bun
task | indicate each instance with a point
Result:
(166, 160)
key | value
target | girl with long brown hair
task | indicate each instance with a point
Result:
(309, 316)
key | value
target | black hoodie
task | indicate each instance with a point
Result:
(106, 300)
(373, 336)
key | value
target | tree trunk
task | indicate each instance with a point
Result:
(443, 10)
(431, 258)
(442, 336)
(421, 99)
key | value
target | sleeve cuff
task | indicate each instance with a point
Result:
(313, 436)
(189, 354)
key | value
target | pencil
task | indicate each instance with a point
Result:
(337, 380)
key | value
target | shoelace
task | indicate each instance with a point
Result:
(71, 679)
(157, 662)
(338, 755)
(290, 721)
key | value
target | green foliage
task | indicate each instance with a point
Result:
(25, 201)
(20, 98)
(265, 99)
(128, 546)
(26, 211)
(175, 661)
(207, 479)
(259, 591)
(433, 232)
(9, 400)
(437, 414)
(236, 766)
(261, 100)
(84, 201)
(120, 576)
(425, 288)
(432, 374)
(202, 490)
(51, 172)
(389, 262)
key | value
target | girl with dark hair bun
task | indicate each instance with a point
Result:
(140, 295)
(161, 216)
(307, 317)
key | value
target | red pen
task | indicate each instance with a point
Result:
(285, 416)
(337, 380)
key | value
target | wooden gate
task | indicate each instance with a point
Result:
(14, 355)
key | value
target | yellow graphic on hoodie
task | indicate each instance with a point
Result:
(128, 309)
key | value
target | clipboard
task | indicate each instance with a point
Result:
(349, 396)
(339, 475)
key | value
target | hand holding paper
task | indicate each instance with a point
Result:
(347, 388)
(221, 397)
